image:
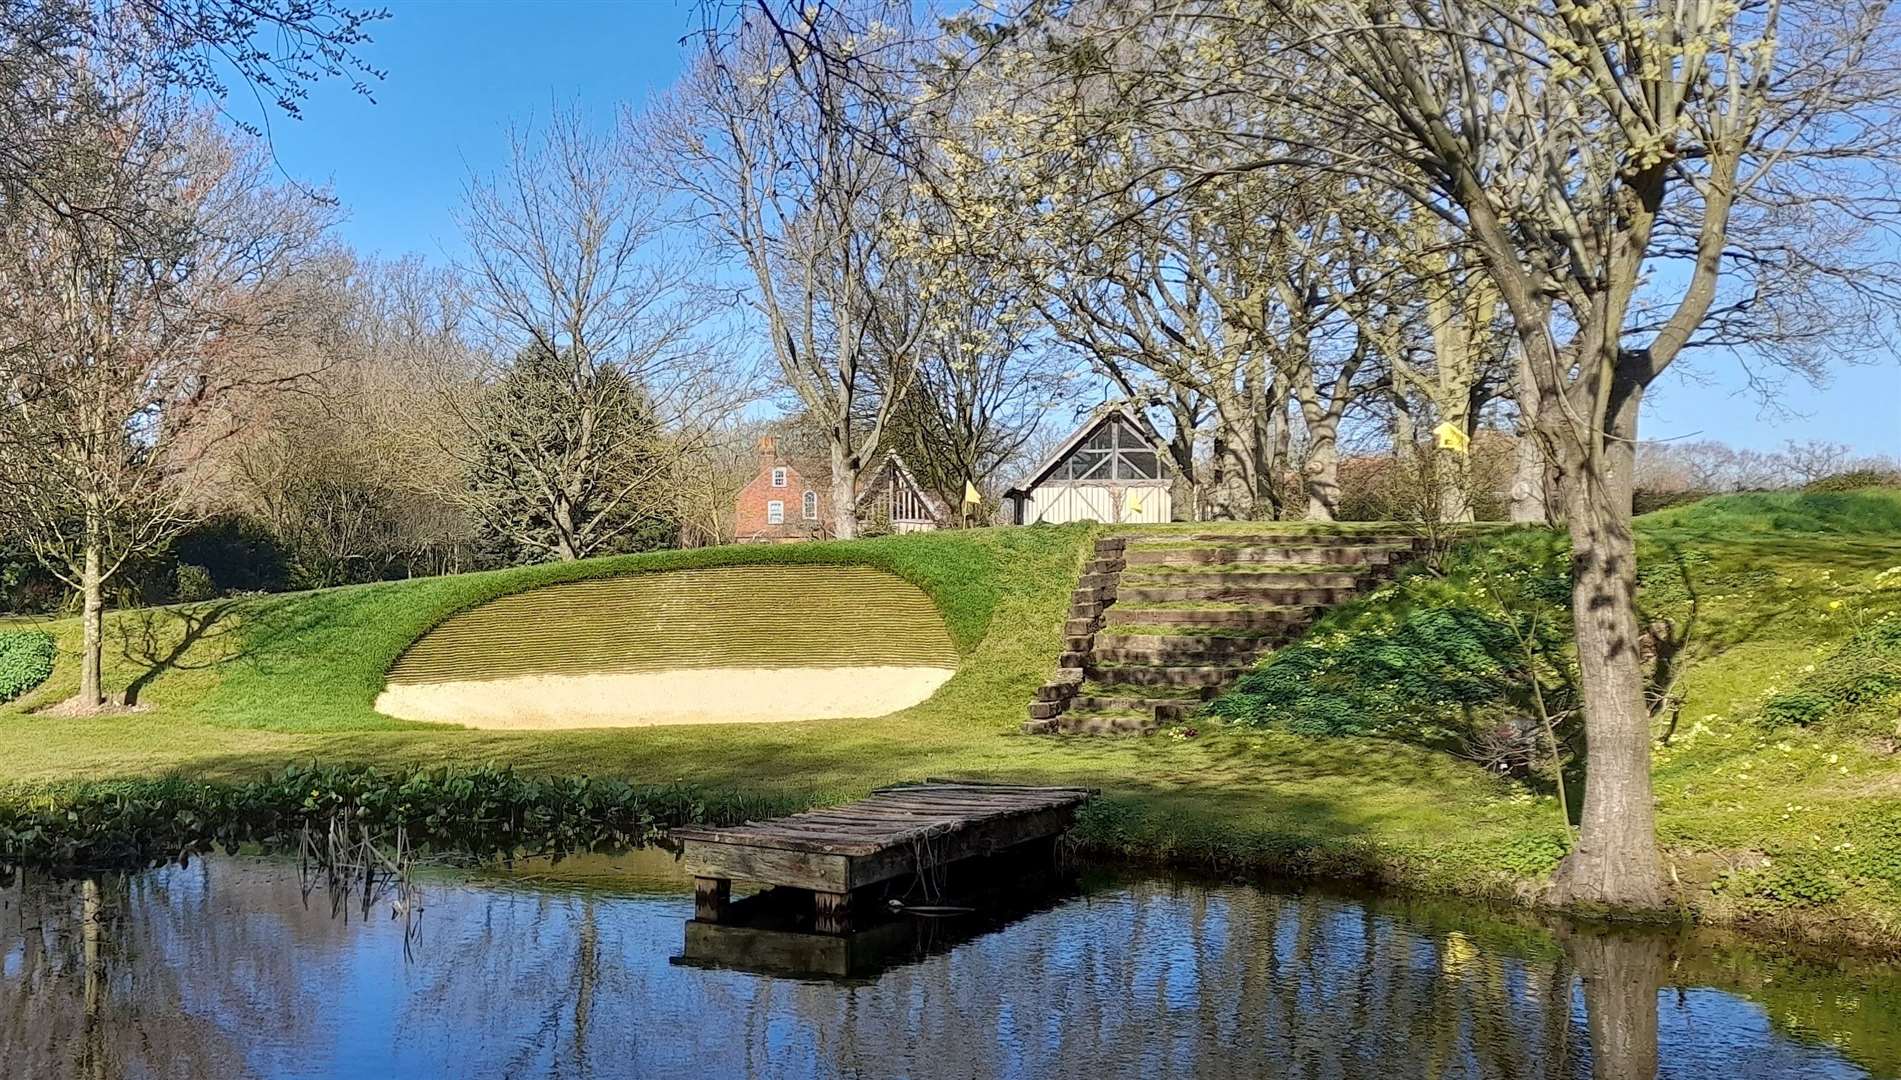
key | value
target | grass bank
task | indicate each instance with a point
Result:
(234, 691)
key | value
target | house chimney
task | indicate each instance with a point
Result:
(768, 449)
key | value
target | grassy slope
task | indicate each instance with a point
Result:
(268, 681)
(1779, 582)
(729, 616)
(284, 678)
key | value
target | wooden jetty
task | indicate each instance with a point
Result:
(770, 933)
(894, 833)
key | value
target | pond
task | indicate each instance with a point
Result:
(225, 969)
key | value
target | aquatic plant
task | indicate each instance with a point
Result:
(486, 810)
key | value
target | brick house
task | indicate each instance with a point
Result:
(789, 498)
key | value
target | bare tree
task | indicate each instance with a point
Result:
(783, 142)
(131, 338)
(277, 49)
(986, 375)
(598, 369)
(1577, 150)
(1812, 459)
(346, 473)
(1636, 179)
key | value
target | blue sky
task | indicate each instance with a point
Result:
(459, 72)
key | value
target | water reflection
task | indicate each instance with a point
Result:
(219, 970)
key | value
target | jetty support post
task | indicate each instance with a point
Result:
(711, 897)
(831, 912)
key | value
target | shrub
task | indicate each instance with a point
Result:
(1855, 480)
(26, 660)
(1645, 500)
(193, 584)
(237, 552)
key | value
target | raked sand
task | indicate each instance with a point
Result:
(652, 698)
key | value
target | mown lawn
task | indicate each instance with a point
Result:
(238, 688)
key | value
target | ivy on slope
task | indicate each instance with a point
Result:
(1860, 676)
(1430, 657)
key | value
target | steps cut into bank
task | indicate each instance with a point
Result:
(1160, 624)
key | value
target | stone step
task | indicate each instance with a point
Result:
(1361, 555)
(1306, 537)
(1079, 627)
(1161, 675)
(1174, 657)
(1179, 649)
(1275, 596)
(1175, 706)
(1224, 618)
(1058, 691)
(1269, 578)
(1093, 723)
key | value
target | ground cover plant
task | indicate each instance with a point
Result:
(26, 661)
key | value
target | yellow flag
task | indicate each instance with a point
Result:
(1134, 501)
(1452, 437)
(970, 494)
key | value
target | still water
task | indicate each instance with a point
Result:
(223, 969)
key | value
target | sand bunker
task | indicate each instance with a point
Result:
(650, 698)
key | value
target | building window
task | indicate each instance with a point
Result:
(811, 506)
(778, 478)
(775, 513)
(1116, 452)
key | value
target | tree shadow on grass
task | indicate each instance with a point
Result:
(160, 640)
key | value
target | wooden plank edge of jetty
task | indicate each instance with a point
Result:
(715, 856)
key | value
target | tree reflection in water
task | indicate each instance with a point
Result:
(220, 970)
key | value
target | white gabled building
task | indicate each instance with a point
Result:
(1112, 469)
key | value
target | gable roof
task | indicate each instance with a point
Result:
(894, 465)
(1139, 424)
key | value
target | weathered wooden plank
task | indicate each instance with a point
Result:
(773, 866)
(997, 835)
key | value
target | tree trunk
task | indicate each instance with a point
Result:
(92, 593)
(844, 495)
(1405, 429)
(1323, 474)
(1533, 478)
(566, 548)
(1615, 862)
(1452, 479)
(1621, 973)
